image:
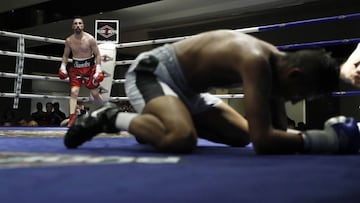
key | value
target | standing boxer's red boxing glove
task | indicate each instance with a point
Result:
(63, 74)
(99, 75)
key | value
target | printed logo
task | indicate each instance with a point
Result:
(106, 31)
(15, 159)
(106, 58)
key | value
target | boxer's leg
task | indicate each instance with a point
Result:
(165, 123)
(222, 124)
(95, 93)
(74, 93)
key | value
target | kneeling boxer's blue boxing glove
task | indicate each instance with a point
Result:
(340, 135)
(347, 132)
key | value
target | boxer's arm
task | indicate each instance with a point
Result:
(266, 139)
(98, 75)
(96, 51)
(63, 74)
(278, 114)
(66, 53)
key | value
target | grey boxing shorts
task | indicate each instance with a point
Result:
(157, 73)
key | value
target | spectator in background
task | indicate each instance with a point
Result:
(301, 126)
(50, 115)
(32, 123)
(8, 118)
(22, 122)
(291, 123)
(39, 115)
(58, 114)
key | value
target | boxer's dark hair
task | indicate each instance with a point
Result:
(77, 16)
(322, 71)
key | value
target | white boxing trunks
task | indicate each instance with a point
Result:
(157, 73)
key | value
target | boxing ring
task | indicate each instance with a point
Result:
(36, 167)
(20, 55)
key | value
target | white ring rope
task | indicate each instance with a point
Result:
(32, 56)
(85, 99)
(31, 37)
(32, 77)
(125, 62)
(47, 78)
(118, 81)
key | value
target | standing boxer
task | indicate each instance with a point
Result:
(86, 67)
(168, 88)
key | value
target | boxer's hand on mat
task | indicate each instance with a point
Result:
(340, 135)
